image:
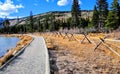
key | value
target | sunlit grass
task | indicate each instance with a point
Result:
(85, 49)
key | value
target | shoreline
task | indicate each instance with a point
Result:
(24, 40)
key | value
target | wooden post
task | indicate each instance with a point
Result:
(83, 40)
(72, 37)
(55, 34)
(102, 40)
(66, 35)
(60, 34)
(85, 37)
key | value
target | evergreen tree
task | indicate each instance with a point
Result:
(39, 26)
(17, 22)
(46, 22)
(31, 21)
(6, 24)
(84, 23)
(119, 13)
(95, 18)
(52, 22)
(75, 12)
(102, 7)
(69, 23)
(113, 16)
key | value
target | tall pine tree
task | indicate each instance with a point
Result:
(95, 18)
(102, 7)
(31, 21)
(75, 12)
(119, 13)
(6, 24)
(113, 16)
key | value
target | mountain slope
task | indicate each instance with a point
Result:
(57, 14)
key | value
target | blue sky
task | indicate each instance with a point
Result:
(22, 8)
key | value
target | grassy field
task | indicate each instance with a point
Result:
(74, 44)
(102, 59)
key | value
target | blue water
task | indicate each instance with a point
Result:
(7, 43)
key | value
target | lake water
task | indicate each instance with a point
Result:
(7, 43)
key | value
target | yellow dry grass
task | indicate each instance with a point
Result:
(85, 49)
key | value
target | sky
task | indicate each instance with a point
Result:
(22, 8)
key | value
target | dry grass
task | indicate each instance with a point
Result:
(79, 56)
(82, 50)
(24, 40)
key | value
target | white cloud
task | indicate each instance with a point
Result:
(47, 0)
(62, 2)
(80, 2)
(8, 7)
(65, 2)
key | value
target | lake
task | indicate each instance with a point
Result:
(7, 43)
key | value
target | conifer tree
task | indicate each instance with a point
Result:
(119, 13)
(6, 24)
(75, 11)
(17, 22)
(31, 21)
(95, 18)
(102, 7)
(113, 16)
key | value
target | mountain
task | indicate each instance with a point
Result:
(57, 14)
